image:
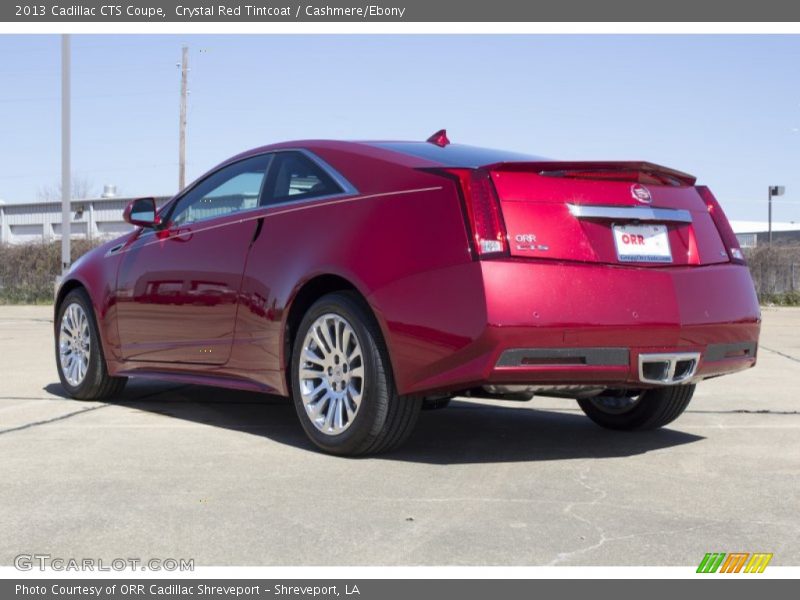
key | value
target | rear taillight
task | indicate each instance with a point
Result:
(482, 211)
(722, 224)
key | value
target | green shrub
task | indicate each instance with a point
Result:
(28, 271)
(784, 299)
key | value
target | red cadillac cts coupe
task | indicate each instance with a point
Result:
(369, 280)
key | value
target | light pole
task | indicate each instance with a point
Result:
(182, 124)
(774, 190)
(66, 173)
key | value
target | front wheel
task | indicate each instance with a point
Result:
(342, 383)
(79, 354)
(649, 409)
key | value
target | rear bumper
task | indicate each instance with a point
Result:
(620, 366)
(580, 324)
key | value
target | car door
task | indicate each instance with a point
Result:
(178, 285)
(295, 177)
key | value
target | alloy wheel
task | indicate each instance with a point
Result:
(74, 344)
(331, 374)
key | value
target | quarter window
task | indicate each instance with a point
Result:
(294, 176)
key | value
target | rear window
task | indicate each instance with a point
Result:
(456, 155)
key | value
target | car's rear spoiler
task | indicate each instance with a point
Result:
(634, 171)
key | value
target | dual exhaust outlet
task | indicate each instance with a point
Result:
(669, 368)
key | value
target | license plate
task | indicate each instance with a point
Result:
(642, 243)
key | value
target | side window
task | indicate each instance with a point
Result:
(294, 176)
(232, 189)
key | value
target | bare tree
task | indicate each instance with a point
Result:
(81, 188)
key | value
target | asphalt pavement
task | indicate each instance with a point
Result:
(228, 478)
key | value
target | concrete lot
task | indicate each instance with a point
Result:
(228, 478)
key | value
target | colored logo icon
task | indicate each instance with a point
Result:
(734, 562)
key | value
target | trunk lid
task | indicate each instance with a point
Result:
(631, 213)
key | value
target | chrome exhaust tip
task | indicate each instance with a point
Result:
(668, 368)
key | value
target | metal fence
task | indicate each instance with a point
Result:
(775, 270)
(776, 278)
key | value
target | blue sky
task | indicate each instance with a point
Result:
(725, 108)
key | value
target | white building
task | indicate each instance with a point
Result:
(751, 233)
(93, 218)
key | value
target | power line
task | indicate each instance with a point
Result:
(86, 97)
(100, 170)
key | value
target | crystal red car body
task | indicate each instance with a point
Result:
(480, 269)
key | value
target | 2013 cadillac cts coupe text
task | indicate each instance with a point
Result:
(369, 280)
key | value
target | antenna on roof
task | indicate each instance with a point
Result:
(439, 138)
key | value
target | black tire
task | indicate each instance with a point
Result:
(652, 408)
(96, 384)
(436, 403)
(383, 420)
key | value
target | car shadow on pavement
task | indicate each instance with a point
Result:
(464, 433)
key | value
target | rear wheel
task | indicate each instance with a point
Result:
(79, 354)
(649, 409)
(342, 382)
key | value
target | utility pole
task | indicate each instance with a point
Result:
(182, 134)
(66, 183)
